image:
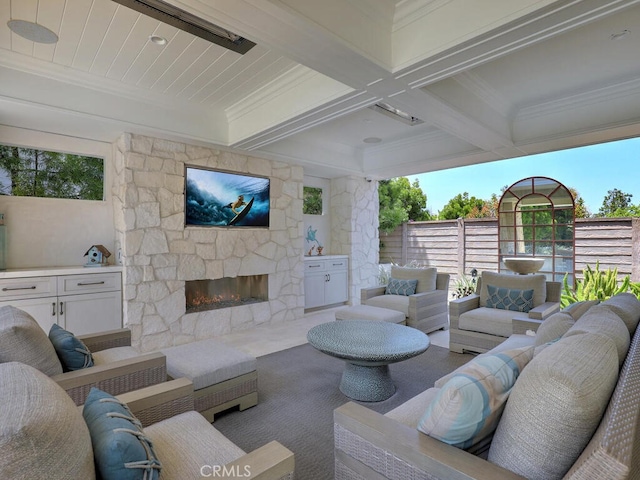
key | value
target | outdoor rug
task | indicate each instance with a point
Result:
(297, 393)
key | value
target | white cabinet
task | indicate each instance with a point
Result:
(78, 301)
(326, 280)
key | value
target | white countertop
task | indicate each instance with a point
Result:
(320, 257)
(51, 271)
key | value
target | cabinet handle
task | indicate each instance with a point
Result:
(338, 264)
(84, 284)
(328, 277)
(53, 309)
(314, 266)
(10, 289)
(61, 311)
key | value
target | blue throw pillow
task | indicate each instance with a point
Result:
(401, 287)
(72, 352)
(120, 449)
(510, 299)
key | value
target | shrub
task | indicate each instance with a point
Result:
(464, 287)
(597, 285)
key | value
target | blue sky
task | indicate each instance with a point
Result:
(592, 171)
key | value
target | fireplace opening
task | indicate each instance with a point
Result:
(226, 292)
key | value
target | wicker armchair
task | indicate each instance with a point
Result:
(45, 435)
(23, 340)
(425, 310)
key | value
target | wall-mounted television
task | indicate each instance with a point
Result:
(217, 198)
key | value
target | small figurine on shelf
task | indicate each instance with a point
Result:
(98, 255)
(311, 251)
(320, 250)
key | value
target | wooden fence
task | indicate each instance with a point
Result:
(457, 246)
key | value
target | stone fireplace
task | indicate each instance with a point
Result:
(161, 255)
(226, 292)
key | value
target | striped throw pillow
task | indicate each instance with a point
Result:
(468, 407)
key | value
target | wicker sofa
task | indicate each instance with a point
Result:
(23, 340)
(425, 310)
(476, 328)
(44, 435)
(559, 421)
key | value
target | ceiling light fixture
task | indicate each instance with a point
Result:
(619, 35)
(189, 23)
(158, 40)
(32, 31)
(396, 113)
(372, 140)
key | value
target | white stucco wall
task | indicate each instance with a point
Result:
(49, 232)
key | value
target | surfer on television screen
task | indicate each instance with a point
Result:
(237, 204)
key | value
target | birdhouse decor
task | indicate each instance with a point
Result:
(98, 256)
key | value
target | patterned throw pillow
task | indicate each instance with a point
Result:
(72, 352)
(120, 447)
(401, 287)
(510, 299)
(468, 407)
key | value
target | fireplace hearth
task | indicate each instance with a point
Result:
(225, 292)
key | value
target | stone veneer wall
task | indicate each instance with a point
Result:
(160, 253)
(354, 230)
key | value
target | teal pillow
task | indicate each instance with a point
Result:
(120, 449)
(467, 408)
(72, 352)
(509, 299)
(401, 287)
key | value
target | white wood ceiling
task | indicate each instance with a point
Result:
(491, 80)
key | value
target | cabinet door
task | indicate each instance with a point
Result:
(314, 289)
(42, 309)
(90, 313)
(336, 289)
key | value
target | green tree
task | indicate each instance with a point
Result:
(38, 173)
(312, 201)
(581, 210)
(401, 201)
(618, 204)
(461, 206)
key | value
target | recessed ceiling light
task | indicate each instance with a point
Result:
(32, 31)
(372, 140)
(157, 39)
(619, 35)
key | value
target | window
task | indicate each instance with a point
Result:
(39, 173)
(312, 201)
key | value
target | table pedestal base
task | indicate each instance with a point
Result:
(367, 383)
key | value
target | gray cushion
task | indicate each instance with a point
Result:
(367, 312)
(600, 319)
(426, 277)
(410, 412)
(627, 307)
(392, 302)
(522, 282)
(577, 309)
(114, 354)
(488, 320)
(555, 407)
(553, 327)
(207, 362)
(187, 442)
(42, 433)
(23, 340)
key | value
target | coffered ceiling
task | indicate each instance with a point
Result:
(491, 79)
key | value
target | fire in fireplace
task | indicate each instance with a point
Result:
(225, 292)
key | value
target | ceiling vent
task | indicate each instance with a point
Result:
(396, 113)
(189, 23)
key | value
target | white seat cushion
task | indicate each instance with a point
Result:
(521, 282)
(493, 321)
(411, 411)
(186, 443)
(399, 303)
(367, 312)
(207, 362)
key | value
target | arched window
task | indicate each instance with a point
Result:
(536, 218)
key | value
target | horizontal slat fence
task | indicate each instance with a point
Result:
(457, 246)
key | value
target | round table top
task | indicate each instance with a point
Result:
(368, 340)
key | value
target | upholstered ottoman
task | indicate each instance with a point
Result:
(366, 312)
(222, 376)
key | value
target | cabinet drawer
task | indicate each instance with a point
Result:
(314, 266)
(31, 287)
(336, 264)
(91, 282)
